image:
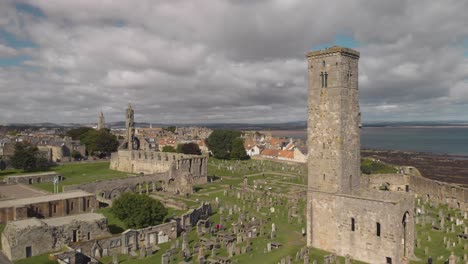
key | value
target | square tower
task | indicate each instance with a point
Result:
(342, 217)
(333, 120)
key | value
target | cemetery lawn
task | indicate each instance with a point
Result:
(78, 173)
(41, 259)
(437, 248)
(267, 176)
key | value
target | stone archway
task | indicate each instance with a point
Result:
(114, 194)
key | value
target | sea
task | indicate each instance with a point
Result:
(437, 140)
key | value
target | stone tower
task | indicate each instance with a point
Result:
(343, 217)
(333, 120)
(130, 126)
(101, 122)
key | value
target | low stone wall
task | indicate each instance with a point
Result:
(430, 190)
(32, 178)
(394, 182)
(440, 192)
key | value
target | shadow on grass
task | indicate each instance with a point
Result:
(114, 229)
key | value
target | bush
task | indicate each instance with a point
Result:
(189, 148)
(138, 211)
(369, 166)
(168, 149)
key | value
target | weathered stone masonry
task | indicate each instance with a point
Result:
(169, 172)
(46, 206)
(342, 217)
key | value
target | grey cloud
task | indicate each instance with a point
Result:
(228, 61)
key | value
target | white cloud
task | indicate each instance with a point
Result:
(227, 60)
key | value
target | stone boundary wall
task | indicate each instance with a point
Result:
(453, 195)
(394, 182)
(440, 192)
(286, 161)
(32, 178)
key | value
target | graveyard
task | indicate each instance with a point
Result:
(259, 217)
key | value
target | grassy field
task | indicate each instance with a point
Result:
(76, 173)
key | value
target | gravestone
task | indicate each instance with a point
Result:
(165, 258)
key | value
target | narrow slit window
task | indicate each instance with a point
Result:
(378, 229)
(323, 81)
(353, 224)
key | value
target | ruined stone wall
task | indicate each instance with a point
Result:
(32, 178)
(138, 239)
(62, 207)
(44, 236)
(130, 240)
(192, 217)
(138, 161)
(394, 182)
(171, 172)
(439, 192)
(113, 188)
(49, 209)
(332, 227)
(430, 190)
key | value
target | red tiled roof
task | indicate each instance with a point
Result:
(288, 154)
(270, 152)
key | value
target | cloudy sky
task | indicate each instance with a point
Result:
(226, 60)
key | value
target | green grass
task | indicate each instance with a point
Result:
(116, 226)
(436, 246)
(42, 259)
(370, 166)
(81, 173)
(10, 173)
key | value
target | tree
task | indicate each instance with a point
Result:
(138, 211)
(238, 150)
(77, 133)
(76, 155)
(168, 149)
(171, 128)
(189, 148)
(106, 143)
(26, 157)
(220, 143)
(99, 142)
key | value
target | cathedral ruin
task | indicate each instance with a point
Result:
(343, 217)
(171, 172)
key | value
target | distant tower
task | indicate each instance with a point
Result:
(101, 122)
(130, 126)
